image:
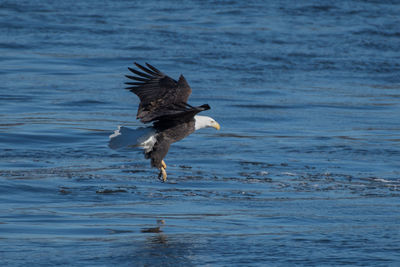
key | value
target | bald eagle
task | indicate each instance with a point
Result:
(163, 102)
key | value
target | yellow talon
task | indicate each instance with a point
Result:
(164, 174)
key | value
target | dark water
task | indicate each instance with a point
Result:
(305, 170)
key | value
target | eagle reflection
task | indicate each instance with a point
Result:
(160, 249)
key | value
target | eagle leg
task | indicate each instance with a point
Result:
(162, 173)
(163, 164)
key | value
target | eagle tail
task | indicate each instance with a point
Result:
(125, 137)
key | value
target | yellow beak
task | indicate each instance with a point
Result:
(216, 125)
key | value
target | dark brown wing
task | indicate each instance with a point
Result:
(156, 91)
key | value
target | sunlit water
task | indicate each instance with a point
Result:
(305, 170)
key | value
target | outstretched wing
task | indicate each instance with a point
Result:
(157, 92)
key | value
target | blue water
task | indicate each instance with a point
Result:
(305, 170)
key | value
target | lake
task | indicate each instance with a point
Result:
(305, 170)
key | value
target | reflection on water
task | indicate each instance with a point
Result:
(304, 172)
(158, 249)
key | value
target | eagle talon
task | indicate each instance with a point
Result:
(162, 174)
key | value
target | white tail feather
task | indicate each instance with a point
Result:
(126, 137)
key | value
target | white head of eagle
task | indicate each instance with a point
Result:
(205, 121)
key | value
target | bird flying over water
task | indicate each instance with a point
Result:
(163, 102)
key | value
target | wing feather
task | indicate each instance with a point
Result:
(140, 73)
(147, 70)
(136, 78)
(153, 68)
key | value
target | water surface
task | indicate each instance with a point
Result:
(305, 170)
